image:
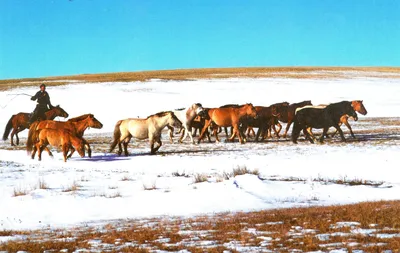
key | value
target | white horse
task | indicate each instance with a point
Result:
(149, 128)
(186, 116)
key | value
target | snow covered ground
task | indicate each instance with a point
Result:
(106, 187)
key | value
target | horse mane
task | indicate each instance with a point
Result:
(160, 114)
(79, 118)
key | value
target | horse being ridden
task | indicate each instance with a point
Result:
(186, 117)
(76, 125)
(19, 122)
(225, 117)
(148, 128)
(59, 137)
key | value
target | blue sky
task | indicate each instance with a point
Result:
(41, 38)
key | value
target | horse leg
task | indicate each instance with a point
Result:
(171, 133)
(40, 149)
(297, 127)
(14, 132)
(340, 132)
(159, 145)
(349, 127)
(321, 139)
(189, 132)
(125, 143)
(287, 128)
(205, 128)
(65, 149)
(185, 133)
(308, 134)
(48, 151)
(279, 129)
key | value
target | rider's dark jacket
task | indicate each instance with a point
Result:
(43, 99)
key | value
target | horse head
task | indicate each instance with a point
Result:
(93, 122)
(251, 110)
(60, 111)
(173, 121)
(358, 106)
(198, 109)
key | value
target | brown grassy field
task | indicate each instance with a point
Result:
(371, 227)
(187, 74)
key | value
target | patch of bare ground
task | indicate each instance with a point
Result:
(368, 226)
(206, 73)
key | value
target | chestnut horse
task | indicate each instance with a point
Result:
(287, 114)
(76, 125)
(356, 104)
(56, 138)
(19, 122)
(225, 117)
(149, 128)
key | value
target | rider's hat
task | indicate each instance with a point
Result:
(42, 85)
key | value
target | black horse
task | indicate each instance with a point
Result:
(321, 118)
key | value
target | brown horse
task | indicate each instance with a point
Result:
(287, 114)
(357, 105)
(225, 117)
(149, 128)
(267, 119)
(76, 125)
(56, 138)
(19, 122)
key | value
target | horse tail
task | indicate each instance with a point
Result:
(117, 135)
(8, 128)
(32, 136)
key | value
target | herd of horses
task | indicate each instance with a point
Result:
(242, 119)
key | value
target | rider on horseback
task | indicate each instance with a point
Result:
(43, 100)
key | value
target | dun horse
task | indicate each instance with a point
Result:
(20, 122)
(149, 128)
(186, 117)
(76, 125)
(59, 138)
(225, 117)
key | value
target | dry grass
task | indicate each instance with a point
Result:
(282, 230)
(200, 178)
(71, 188)
(188, 74)
(42, 184)
(20, 192)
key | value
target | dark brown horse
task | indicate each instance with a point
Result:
(286, 114)
(321, 118)
(19, 122)
(63, 138)
(76, 125)
(225, 117)
(267, 119)
(358, 107)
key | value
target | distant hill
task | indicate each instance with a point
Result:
(207, 73)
